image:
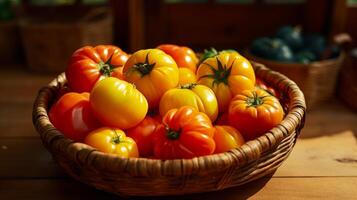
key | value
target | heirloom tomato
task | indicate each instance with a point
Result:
(153, 72)
(73, 116)
(254, 112)
(226, 74)
(200, 97)
(113, 141)
(183, 56)
(143, 135)
(186, 76)
(117, 103)
(90, 64)
(227, 138)
(184, 133)
(222, 119)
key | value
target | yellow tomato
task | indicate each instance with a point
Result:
(114, 141)
(200, 97)
(227, 74)
(186, 76)
(153, 72)
(226, 138)
(117, 103)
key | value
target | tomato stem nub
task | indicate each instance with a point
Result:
(116, 139)
(146, 67)
(255, 100)
(106, 68)
(172, 134)
(189, 86)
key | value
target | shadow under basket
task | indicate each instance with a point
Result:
(153, 177)
(317, 80)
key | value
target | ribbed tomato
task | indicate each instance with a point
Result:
(90, 64)
(184, 133)
(153, 72)
(227, 74)
(254, 112)
(227, 138)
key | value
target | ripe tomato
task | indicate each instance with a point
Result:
(227, 74)
(143, 135)
(254, 112)
(262, 85)
(117, 103)
(199, 97)
(227, 138)
(90, 64)
(186, 76)
(153, 72)
(184, 133)
(113, 141)
(73, 116)
(183, 56)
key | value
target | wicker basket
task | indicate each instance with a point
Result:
(317, 80)
(48, 44)
(151, 177)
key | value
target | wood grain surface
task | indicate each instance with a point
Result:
(323, 164)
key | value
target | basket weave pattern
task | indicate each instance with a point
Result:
(152, 177)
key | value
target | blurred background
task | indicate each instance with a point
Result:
(40, 35)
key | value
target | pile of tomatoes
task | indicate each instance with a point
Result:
(163, 103)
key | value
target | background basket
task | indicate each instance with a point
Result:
(151, 177)
(348, 82)
(317, 80)
(49, 44)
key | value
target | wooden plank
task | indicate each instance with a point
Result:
(333, 155)
(26, 158)
(275, 188)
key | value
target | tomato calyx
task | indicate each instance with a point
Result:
(106, 68)
(116, 138)
(221, 74)
(172, 134)
(189, 86)
(255, 100)
(144, 68)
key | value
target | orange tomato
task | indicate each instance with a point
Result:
(153, 72)
(254, 112)
(116, 103)
(183, 56)
(186, 76)
(227, 138)
(227, 74)
(113, 141)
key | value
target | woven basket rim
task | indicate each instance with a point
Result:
(250, 151)
(319, 63)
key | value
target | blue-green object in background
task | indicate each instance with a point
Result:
(272, 49)
(305, 57)
(315, 43)
(291, 36)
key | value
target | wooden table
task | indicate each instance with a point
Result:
(323, 164)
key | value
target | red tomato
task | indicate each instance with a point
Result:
(184, 133)
(143, 135)
(183, 56)
(90, 64)
(73, 116)
(262, 85)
